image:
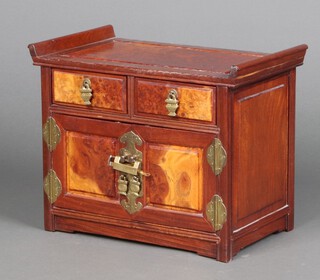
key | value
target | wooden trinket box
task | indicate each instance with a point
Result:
(179, 146)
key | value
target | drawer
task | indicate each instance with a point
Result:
(90, 90)
(187, 101)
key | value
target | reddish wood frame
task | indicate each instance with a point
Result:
(234, 72)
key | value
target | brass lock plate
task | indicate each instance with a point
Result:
(129, 165)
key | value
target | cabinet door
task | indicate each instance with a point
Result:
(80, 161)
(179, 186)
(181, 182)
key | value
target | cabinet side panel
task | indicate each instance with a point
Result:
(261, 150)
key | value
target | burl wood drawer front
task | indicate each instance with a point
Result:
(192, 102)
(104, 91)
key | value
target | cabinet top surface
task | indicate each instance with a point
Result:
(159, 55)
(99, 50)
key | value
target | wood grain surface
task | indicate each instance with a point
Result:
(246, 99)
(261, 143)
(177, 176)
(195, 103)
(88, 172)
(99, 50)
(108, 92)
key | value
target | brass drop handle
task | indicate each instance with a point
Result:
(172, 102)
(86, 91)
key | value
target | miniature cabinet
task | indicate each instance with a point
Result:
(179, 146)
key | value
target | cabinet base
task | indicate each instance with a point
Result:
(258, 234)
(203, 243)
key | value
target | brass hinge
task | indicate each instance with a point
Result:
(216, 212)
(51, 133)
(52, 186)
(216, 156)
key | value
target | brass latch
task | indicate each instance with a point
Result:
(129, 164)
(126, 165)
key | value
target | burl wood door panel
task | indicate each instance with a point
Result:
(87, 169)
(177, 181)
(261, 145)
(195, 102)
(176, 193)
(108, 92)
